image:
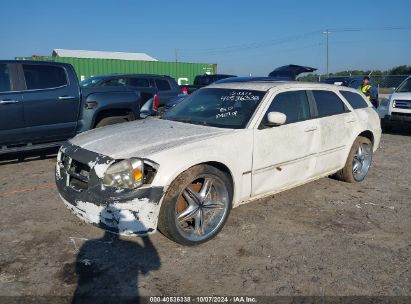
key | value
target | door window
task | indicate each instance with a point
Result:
(162, 85)
(354, 99)
(5, 79)
(293, 104)
(44, 76)
(328, 103)
(138, 82)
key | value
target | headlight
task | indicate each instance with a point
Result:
(394, 104)
(128, 173)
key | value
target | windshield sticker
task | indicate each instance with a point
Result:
(240, 96)
(226, 112)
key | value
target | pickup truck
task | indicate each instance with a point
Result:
(396, 110)
(202, 81)
(42, 105)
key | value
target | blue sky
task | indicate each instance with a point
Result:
(242, 37)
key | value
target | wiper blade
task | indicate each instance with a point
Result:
(190, 121)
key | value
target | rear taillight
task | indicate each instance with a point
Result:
(184, 90)
(155, 102)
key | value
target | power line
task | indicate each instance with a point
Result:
(283, 40)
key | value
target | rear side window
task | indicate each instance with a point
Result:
(114, 82)
(354, 99)
(5, 83)
(162, 85)
(44, 76)
(138, 82)
(293, 104)
(203, 80)
(328, 103)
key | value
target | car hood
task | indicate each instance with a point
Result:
(141, 138)
(406, 96)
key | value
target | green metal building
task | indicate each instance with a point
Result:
(183, 73)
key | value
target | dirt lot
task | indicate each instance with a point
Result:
(324, 238)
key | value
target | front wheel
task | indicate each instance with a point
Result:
(358, 162)
(196, 206)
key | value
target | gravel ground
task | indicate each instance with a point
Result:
(323, 238)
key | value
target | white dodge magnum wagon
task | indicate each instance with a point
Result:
(226, 144)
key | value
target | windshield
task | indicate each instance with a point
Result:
(405, 86)
(223, 108)
(89, 82)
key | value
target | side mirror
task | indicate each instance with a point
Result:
(276, 119)
(147, 109)
(392, 90)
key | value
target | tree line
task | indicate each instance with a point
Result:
(399, 70)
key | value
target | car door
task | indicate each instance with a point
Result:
(336, 126)
(285, 155)
(11, 107)
(165, 92)
(51, 103)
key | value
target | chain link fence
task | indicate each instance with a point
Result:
(384, 83)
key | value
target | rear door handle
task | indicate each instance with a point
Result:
(8, 101)
(310, 128)
(66, 97)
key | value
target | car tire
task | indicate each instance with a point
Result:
(196, 205)
(111, 121)
(358, 162)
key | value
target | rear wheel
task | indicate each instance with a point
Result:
(358, 163)
(196, 206)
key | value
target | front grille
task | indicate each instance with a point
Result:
(398, 114)
(402, 104)
(78, 174)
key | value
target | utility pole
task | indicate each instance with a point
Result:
(327, 34)
(176, 54)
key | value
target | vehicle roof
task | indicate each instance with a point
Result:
(132, 75)
(266, 85)
(35, 62)
(205, 75)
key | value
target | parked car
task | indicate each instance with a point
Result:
(222, 146)
(152, 108)
(354, 82)
(291, 71)
(283, 73)
(201, 81)
(164, 86)
(396, 110)
(42, 105)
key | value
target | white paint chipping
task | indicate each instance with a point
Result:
(138, 215)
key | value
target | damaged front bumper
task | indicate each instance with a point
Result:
(79, 173)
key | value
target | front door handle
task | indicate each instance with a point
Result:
(310, 129)
(66, 97)
(8, 101)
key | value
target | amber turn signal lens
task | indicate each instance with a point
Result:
(137, 174)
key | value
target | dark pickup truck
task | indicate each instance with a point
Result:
(42, 105)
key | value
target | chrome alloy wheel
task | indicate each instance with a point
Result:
(202, 207)
(362, 161)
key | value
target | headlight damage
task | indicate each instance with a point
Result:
(128, 174)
